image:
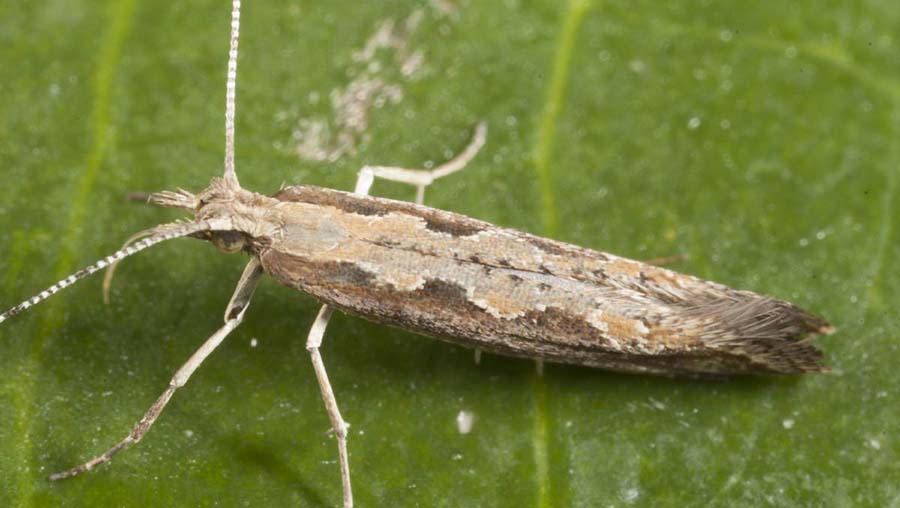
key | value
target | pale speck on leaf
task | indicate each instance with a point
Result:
(631, 495)
(464, 421)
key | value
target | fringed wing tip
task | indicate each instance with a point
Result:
(797, 354)
(788, 356)
(818, 357)
(773, 335)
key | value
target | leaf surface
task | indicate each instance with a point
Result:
(760, 139)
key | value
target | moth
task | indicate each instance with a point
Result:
(456, 278)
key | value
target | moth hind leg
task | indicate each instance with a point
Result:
(422, 178)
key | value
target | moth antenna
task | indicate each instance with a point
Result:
(230, 85)
(159, 234)
(111, 270)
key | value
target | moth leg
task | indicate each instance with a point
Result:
(240, 299)
(338, 425)
(234, 314)
(421, 178)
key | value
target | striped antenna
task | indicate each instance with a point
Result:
(165, 232)
(231, 83)
(111, 269)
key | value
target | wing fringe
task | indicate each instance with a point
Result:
(776, 336)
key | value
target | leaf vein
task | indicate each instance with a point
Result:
(576, 11)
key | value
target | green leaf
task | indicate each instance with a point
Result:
(760, 138)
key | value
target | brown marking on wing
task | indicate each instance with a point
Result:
(327, 197)
(550, 246)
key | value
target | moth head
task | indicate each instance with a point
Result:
(237, 217)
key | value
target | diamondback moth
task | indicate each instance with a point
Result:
(452, 277)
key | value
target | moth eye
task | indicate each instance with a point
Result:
(228, 241)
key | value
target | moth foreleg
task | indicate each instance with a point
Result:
(234, 314)
(240, 299)
(421, 178)
(338, 425)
